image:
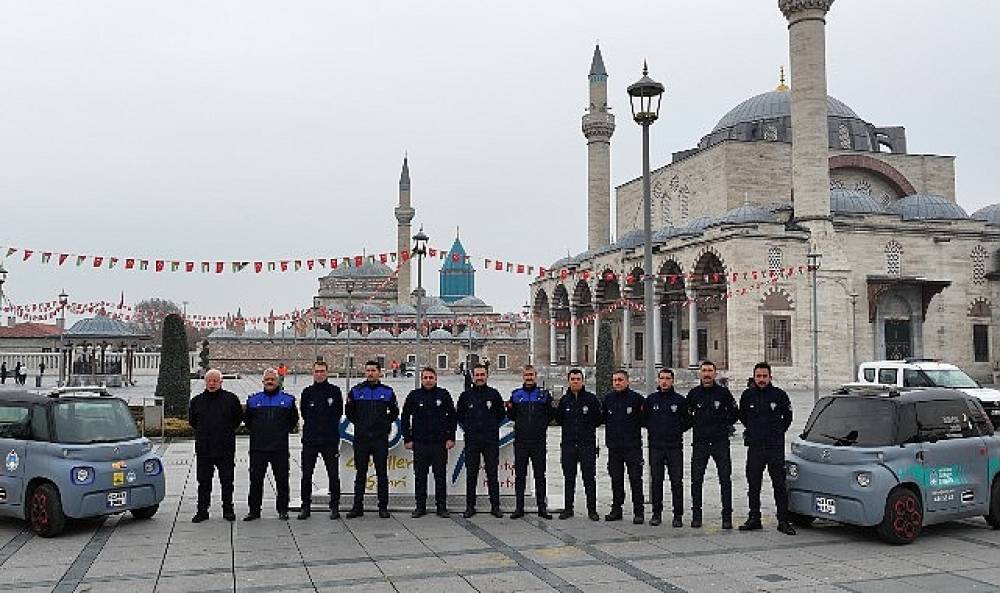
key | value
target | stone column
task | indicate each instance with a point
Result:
(553, 358)
(572, 339)
(692, 328)
(658, 334)
(626, 340)
(675, 338)
(597, 331)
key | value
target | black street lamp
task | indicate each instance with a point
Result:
(63, 301)
(419, 250)
(813, 259)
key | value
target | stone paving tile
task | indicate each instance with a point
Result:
(667, 568)
(356, 588)
(710, 583)
(346, 571)
(591, 573)
(948, 582)
(831, 572)
(558, 555)
(454, 584)
(512, 581)
(463, 563)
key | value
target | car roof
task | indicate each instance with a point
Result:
(911, 363)
(22, 396)
(904, 395)
(53, 396)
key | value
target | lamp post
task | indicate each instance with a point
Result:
(854, 333)
(315, 314)
(645, 96)
(419, 250)
(63, 301)
(349, 362)
(3, 279)
(814, 258)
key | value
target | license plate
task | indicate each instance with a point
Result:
(117, 499)
(826, 506)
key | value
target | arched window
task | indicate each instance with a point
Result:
(774, 259)
(978, 265)
(893, 258)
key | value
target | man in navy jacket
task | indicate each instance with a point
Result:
(270, 416)
(579, 414)
(623, 437)
(530, 409)
(665, 416)
(372, 408)
(480, 413)
(713, 413)
(321, 407)
(428, 426)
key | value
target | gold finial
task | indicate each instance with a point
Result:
(645, 68)
(781, 80)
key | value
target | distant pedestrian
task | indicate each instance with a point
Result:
(282, 371)
(17, 373)
(321, 406)
(271, 416)
(372, 408)
(480, 414)
(3, 373)
(41, 368)
(215, 414)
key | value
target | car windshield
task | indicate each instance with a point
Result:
(94, 421)
(953, 378)
(849, 421)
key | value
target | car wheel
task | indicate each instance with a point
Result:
(993, 518)
(145, 512)
(45, 511)
(904, 517)
(800, 519)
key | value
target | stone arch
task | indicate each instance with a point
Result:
(633, 283)
(672, 297)
(608, 287)
(540, 342)
(777, 299)
(582, 298)
(896, 180)
(560, 299)
(709, 338)
(980, 307)
(708, 263)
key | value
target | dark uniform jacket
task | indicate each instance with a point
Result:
(428, 416)
(215, 418)
(623, 420)
(766, 414)
(372, 408)
(321, 407)
(579, 414)
(480, 413)
(666, 417)
(531, 411)
(270, 418)
(713, 412)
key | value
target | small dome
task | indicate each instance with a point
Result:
(469, 301)
(320, 334)
(441, 334)
(335, 308)
(629, 240)
(990, 214)
(254, 334)
(222, 333)
(438, 309)
(401, 309)
(369, 309)
(380, 334)
(100, 326)
(408, 334)
(355, 334)
(369, 269)
(561, 263)
(465, 334)
(747, 213)
(852, 202)
(524, 334)
(927, 207)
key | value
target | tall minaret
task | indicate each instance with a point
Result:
(404, 214)
(810, 139)
(598, 126)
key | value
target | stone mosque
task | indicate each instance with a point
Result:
(903, 270)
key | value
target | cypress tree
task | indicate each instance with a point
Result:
(605, 360)
(174, 382)
(203, 361)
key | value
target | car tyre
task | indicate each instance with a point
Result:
(145, 512)
(993, 518)
(45, 513)
(800, 520)
(904, 517)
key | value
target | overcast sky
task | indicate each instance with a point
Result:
(275, 130)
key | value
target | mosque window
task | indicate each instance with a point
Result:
(778, 340)
(502, 362)
(981, 308)
(836, 183)
(844, 135)
(771, 133)
(981, 343)
(774, 258)
(978, 265)
(864, 187)
(893, 257)
(442, 361)
(884, 199)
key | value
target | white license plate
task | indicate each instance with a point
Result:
(826, 506)
(117, 499)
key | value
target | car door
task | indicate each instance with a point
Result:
(952, 456)
(15, 429)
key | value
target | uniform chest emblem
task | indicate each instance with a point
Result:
(312, 404)
(438, 402)
(329, 401)
(628, 410)
(673, 408)
(656, 408)
(489, 404)
(774, 406)
(716, 403)
(585, 409)
(421, 404)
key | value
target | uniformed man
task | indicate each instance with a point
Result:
(766, 412)
(666, 418)
(215, 414)
(372, 408)
(480, 413)
(271, 416)
(713, 413)
(428, 426)
(623, 437)
(579, 413)
(321, 407)
(530, 409)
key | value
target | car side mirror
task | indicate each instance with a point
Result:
(929, 437)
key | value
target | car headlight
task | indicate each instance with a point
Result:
(796, 448)
(82, 475)
(864, 479)
(152, 467)
(792, 471)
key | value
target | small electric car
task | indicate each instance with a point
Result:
(896, 460)
(74, 453)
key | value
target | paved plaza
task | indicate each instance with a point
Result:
(169, 553)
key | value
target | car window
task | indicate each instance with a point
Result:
(980, 418)
(39, 423)
(14, 422)
(916, 378)
(887, 376)
(94, 421)
(945, 419)
(847, 421)
(952, 378)
(870, 375)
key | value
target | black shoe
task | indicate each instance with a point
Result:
(638, 519)
(304, 514)
(383, 514)
(786, 528)
(443, 513)
(517, 514)
(614, 515)
(696, 522)
(566, 513)
(677, 522)
(252, 516)
(283, 515)
(727, 523)
(751, 525)
(655, 520)
(355, 513)
(334, 514)
(593, 516)
(418, 512)
(469, 513)
(199, 517)
(544, 513)
(229, 514)
(495, 511)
